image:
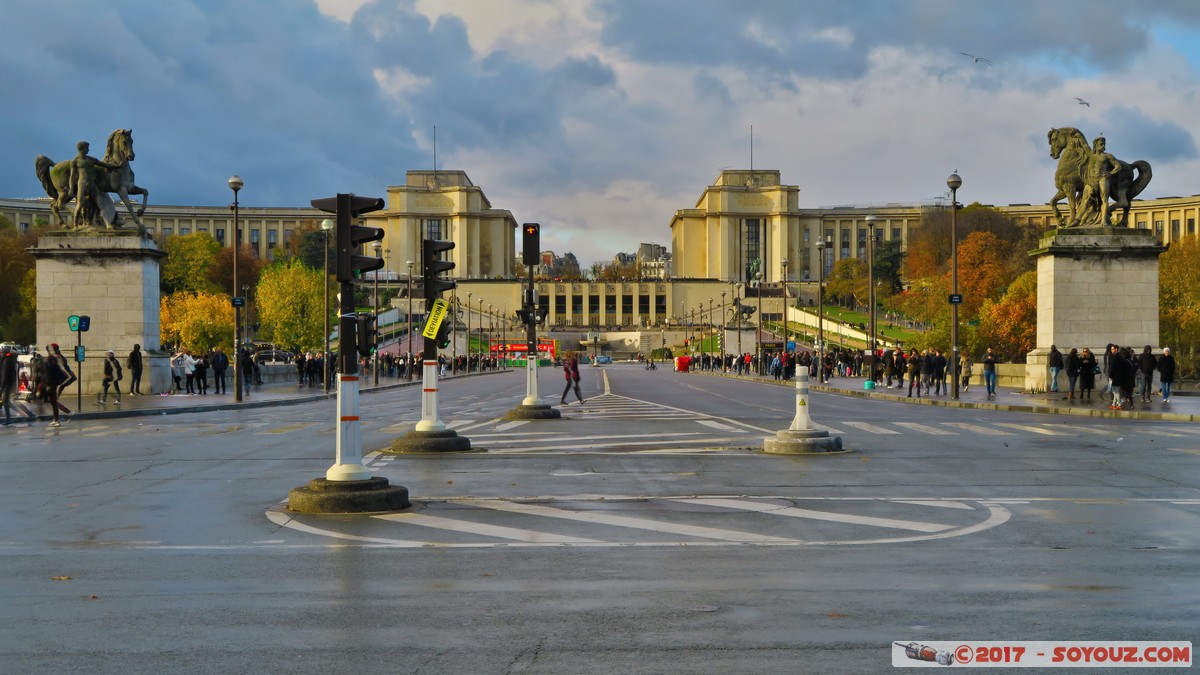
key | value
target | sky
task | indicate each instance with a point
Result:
(599, 118)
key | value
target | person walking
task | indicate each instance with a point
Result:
(1056, 365)
(1147, 364)
(202, 375)
(9, 377)
(1087, 373)
(246, 363)
(571, 372)
(64, 366)
(1073, 365)
(914, 373)
(989, 372)
(56, 375)
(134, 363)
(964, 368)
(189, 372)
(1166, 373)
(219, 364)
(112, 378)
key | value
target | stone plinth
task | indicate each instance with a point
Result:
(111, 276)
(1095, 286)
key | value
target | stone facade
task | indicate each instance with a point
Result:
(1095, 286)
(112, 277)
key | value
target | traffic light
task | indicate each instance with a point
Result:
(530, 234)
(528, 316)
(432, 266)
(443, 335)
(365, 336)
(349, 208)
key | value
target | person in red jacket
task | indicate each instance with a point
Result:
(571, 372)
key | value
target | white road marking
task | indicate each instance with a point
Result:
(925, 428)
(498, 531)
(604, 518)
(866, 426)
(723, 427)
(510, 425)
(582, 444)
(978, 429)
(796, 512)
(940, 504)
(1030, 427)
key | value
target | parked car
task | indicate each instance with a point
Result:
(273, 356)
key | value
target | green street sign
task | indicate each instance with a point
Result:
(73, 322)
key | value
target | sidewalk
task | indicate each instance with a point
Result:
(260, 396)
(1182, 408)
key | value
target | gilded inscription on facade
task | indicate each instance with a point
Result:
(432, 202)
(752, 201)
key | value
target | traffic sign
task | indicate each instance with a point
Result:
(73, 323)
(956, 298)
(437, 314)
(239, 301)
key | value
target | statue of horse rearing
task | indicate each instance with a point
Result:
(1069, 146)
(119, 180)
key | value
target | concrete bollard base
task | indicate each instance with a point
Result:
(353, 496)
(430, 441)
(533, 412)
(810, 441)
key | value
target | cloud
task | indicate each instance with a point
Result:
(598, 118)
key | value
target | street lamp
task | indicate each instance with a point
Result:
(410, 265)
(481, 333)
(236, 183)
(469, 293)
(784, 263)
(871, 284)
(711, 328)
(954, 182)
(758, 334)
(375, 352)
(737, 301)
(491, 329)
(326, 227)
(820, 310)
(722, 338)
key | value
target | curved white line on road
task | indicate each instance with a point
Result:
(998, 515)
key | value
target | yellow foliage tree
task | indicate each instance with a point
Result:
(196, 321)
(1010, 324)
(291, 303)
(1179, 303)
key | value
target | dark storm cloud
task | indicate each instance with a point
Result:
(1129, 132)
(271, 89)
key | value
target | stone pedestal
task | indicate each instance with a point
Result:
(1095, 286)
(111, 276)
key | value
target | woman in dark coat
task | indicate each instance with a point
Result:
(1087, 373)
(1073, 366)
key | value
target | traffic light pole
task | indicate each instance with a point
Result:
(348, 463)
(532, 407)
(531, 353)
(348, 486)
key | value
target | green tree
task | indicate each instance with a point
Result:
(189, 259)
(291, 305)
(847, 283)
(1179, 303)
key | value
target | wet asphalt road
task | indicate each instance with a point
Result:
(643, 533)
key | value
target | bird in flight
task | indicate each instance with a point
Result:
(977, 59)
(1083, 102)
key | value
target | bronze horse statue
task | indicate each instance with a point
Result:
(119, 179)
(1069, 146)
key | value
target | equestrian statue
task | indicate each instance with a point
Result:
(1089, 177)
(88, 181)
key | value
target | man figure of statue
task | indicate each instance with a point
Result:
(82, 179)
(1101, 168)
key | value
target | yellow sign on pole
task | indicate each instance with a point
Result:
(437, 314)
